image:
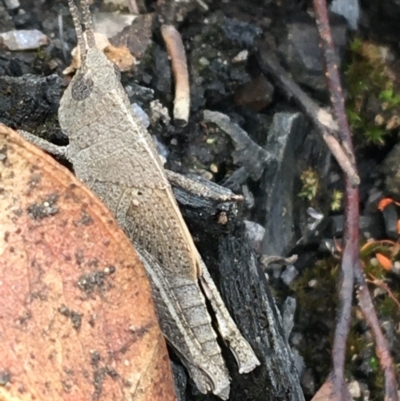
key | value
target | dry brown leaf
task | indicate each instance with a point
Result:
(77, 320)
(120, 56)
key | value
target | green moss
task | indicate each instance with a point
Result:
(337, 198)
(310, 183)
(368, 78)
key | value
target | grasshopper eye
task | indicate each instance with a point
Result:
(82, 87)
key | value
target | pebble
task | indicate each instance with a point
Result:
(23, 39)
(349, 9)
(110, 24)
(144, 118)
(312, 283)
(241, 56)
(12, 4)
(355, 389)
(289, 274)
(254, 232)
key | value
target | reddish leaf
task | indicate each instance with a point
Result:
(384, 261)
(77, 320)
(383, 203)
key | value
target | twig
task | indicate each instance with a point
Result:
(381, 284)
(133, 7)
(351, 267)
(176, 51)
(323, 120)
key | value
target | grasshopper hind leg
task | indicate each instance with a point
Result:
(241, 349)
(185, 322)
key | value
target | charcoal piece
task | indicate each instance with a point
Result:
(293, 150)
(247, 295)
(240, 32)
(299, 49)
(180, 380)
(235, 181)
(391, 218)
(231, 260)
(247, 153)
(213, 211)
(391, 172)
(30, 102)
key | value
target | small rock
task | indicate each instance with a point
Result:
(241, 32)
(391, 171)
(254, 232)
(355, 389)
(374, 196)
(110, 24)
(328, 244)
(137, 36)
(203, 61)
(158, 112)
(289, 274)
(241, 56)
(308, 382)
(396, 268)
(390, 217)
(23, 40)
(365, 392)
(162, 80)
(12, 4)
(213, 168)
(7, 23)
(315, 218)
(144, 118)
(349, 9)
(256, 94)
(301, 52)
(312, 283)
(247, 153)
(296, 339)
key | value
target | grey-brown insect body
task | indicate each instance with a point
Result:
(112, 153)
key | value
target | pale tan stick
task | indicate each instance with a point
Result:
(133, 8)
(176, 51)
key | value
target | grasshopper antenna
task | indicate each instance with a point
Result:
(88, 23)
(78, 27)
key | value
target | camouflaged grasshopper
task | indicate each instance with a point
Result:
(113, 154)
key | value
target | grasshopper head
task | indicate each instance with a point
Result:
(95, 78)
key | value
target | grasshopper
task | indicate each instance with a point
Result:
(114, 155)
